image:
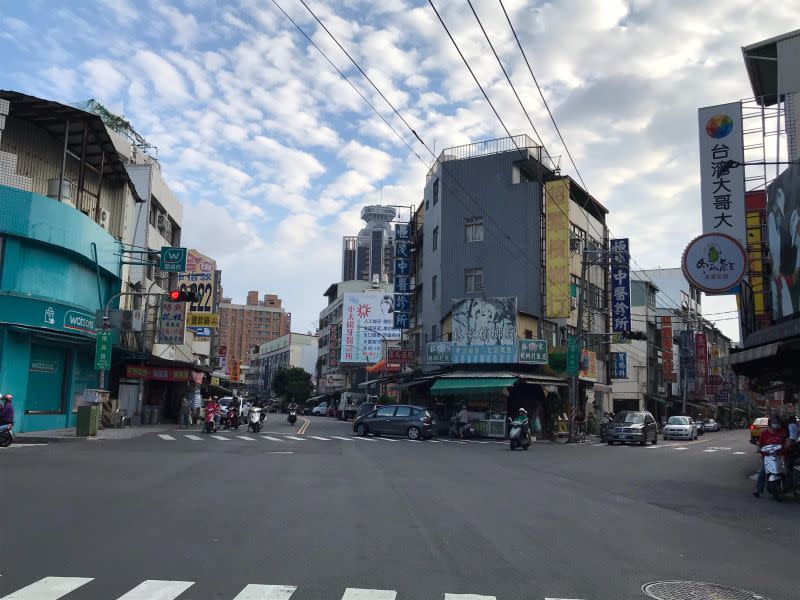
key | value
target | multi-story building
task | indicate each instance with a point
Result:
(369, 254)
(333, 376)
(244, 327)
(289, 351)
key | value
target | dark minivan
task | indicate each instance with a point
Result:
(632, 426)
(413, 422)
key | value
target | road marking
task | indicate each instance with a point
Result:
(271, 439)
(468, 597)
(344, 439)
(364, 439)
(295, 438)
(49, 588)
(356, 594)
(561, 599)
(23, 445)
(196, 438)
(681, 448)
(439, 441)
(710, 450)
(246, 438)
(266, 592)
(302, 429)
(164, 436)
(415, 441)
(221, 438)
(600, 444)
(280, 452)
(740, 452)
(316, 437)
(385, 439)
(157, 590)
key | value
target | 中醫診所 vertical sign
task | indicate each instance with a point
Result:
(620, 286)
(722, 170)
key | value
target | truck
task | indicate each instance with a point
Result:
(349, 403)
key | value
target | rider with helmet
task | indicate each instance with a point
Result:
(7, 410)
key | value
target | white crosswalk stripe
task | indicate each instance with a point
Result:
(295, 438)
(195, 438)
(468, 597)
(246, 438)
(316, 437)
(221, 438)
(49, 588)
(271, 439)
(364, 439)
(344, 439)
(357, 594)
(266, 592)
(157, 590)
(167, 437)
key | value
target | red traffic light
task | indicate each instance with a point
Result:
(182, 296)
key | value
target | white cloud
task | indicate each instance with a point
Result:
(102, 79)
(184, 25)
(123, 10)
(167, 82)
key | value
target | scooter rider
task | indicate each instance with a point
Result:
(215, 410)
(775, 433)
(7, 410)
(523, 421)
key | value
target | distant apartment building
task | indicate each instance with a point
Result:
(288, 351)
(244, 327)
(370, 253)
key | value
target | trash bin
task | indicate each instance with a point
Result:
(88, 418)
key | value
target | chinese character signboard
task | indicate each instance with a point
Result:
(173, 260)
(367, 322)
(172, 324)
(557, 255)
(439, 353)
(200, 319)
(667, 359)
(484, 330)
(158, 373)
(619, 365)
(333, 346)
(199, 277)
(400, 357)
(572, 355)
(620, 286)
(722, 182)
(402, 276)
(714, 262)
(701, 361)
(588, 365)
(532, 352)
(102, 351)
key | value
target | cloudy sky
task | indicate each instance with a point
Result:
(273, 154)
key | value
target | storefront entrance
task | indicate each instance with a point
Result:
(47, 373)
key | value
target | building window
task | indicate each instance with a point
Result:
(433, 333)
(473, 280)
(528, 334)
(473, 229)
(651, 298)
(435, 192)
(435, 238)
(434, 281)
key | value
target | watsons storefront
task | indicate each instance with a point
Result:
(50, 290)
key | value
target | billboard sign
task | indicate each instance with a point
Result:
(587, 369)
(667, 358)
(620, 286)
(397, 356)
(334, 348)
(484, 330)
(714, 263)
(557, 256)
(172, 324)
(367, 322)
(439, 353)
(619, 365)
(722, 170)
(403, 262)
(783, 219)
(701, 361)
(199, 277)
(533, 352)
(173, 260)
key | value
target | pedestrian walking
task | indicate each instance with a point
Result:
(184, 415)
(197, 402)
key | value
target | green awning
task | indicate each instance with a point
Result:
(477, 385)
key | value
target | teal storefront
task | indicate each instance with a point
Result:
(57, 268)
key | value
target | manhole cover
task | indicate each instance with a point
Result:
(697, 590)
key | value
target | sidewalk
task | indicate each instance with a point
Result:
(58, 435)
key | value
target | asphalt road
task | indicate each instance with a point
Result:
(423, 519)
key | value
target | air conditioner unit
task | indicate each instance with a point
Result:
(164, 224)
(104, 219)
(573, 302)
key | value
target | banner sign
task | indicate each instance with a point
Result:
(557, 256)
(402, 297)
(368, 321)
(102, 351)
(484, 330)
(199, 319)
(667, 359)
(721, 183)
(532, 352)
(333, 346)
(396, 356)
(619, 365)
(588, 365)
(783, 208)
(620, 286)
(701, 361)
(158, 373)
(172, 323)
(199, 277)
(572, 355)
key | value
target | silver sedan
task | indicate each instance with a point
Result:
(680, 428)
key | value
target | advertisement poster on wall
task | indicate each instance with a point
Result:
(783, 220)
(557, 256)
(484, 330)
(587, 369)
(172, 323)
(367, 323)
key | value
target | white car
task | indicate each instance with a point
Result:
(680, 428)
(320, 409)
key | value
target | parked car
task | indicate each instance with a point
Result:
(632, 426)
(759, 425)
(710, 425)
(413, 422)
(365, 407)
(320, 409)
(680, 428)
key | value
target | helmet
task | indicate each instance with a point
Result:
(8, 397)
(523, 411)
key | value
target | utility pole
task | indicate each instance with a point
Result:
(574, 388)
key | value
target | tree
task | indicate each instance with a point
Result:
(293, 384)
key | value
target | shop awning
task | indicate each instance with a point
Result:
(478, 385)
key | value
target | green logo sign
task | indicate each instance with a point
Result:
(173, 260)
(572, 356)
(102, 351)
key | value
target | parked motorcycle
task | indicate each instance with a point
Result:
(255, 418)
(467, 431)
(519, 436)
(779, 480)
(605, 425)
(6, 435)
(292, 417)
